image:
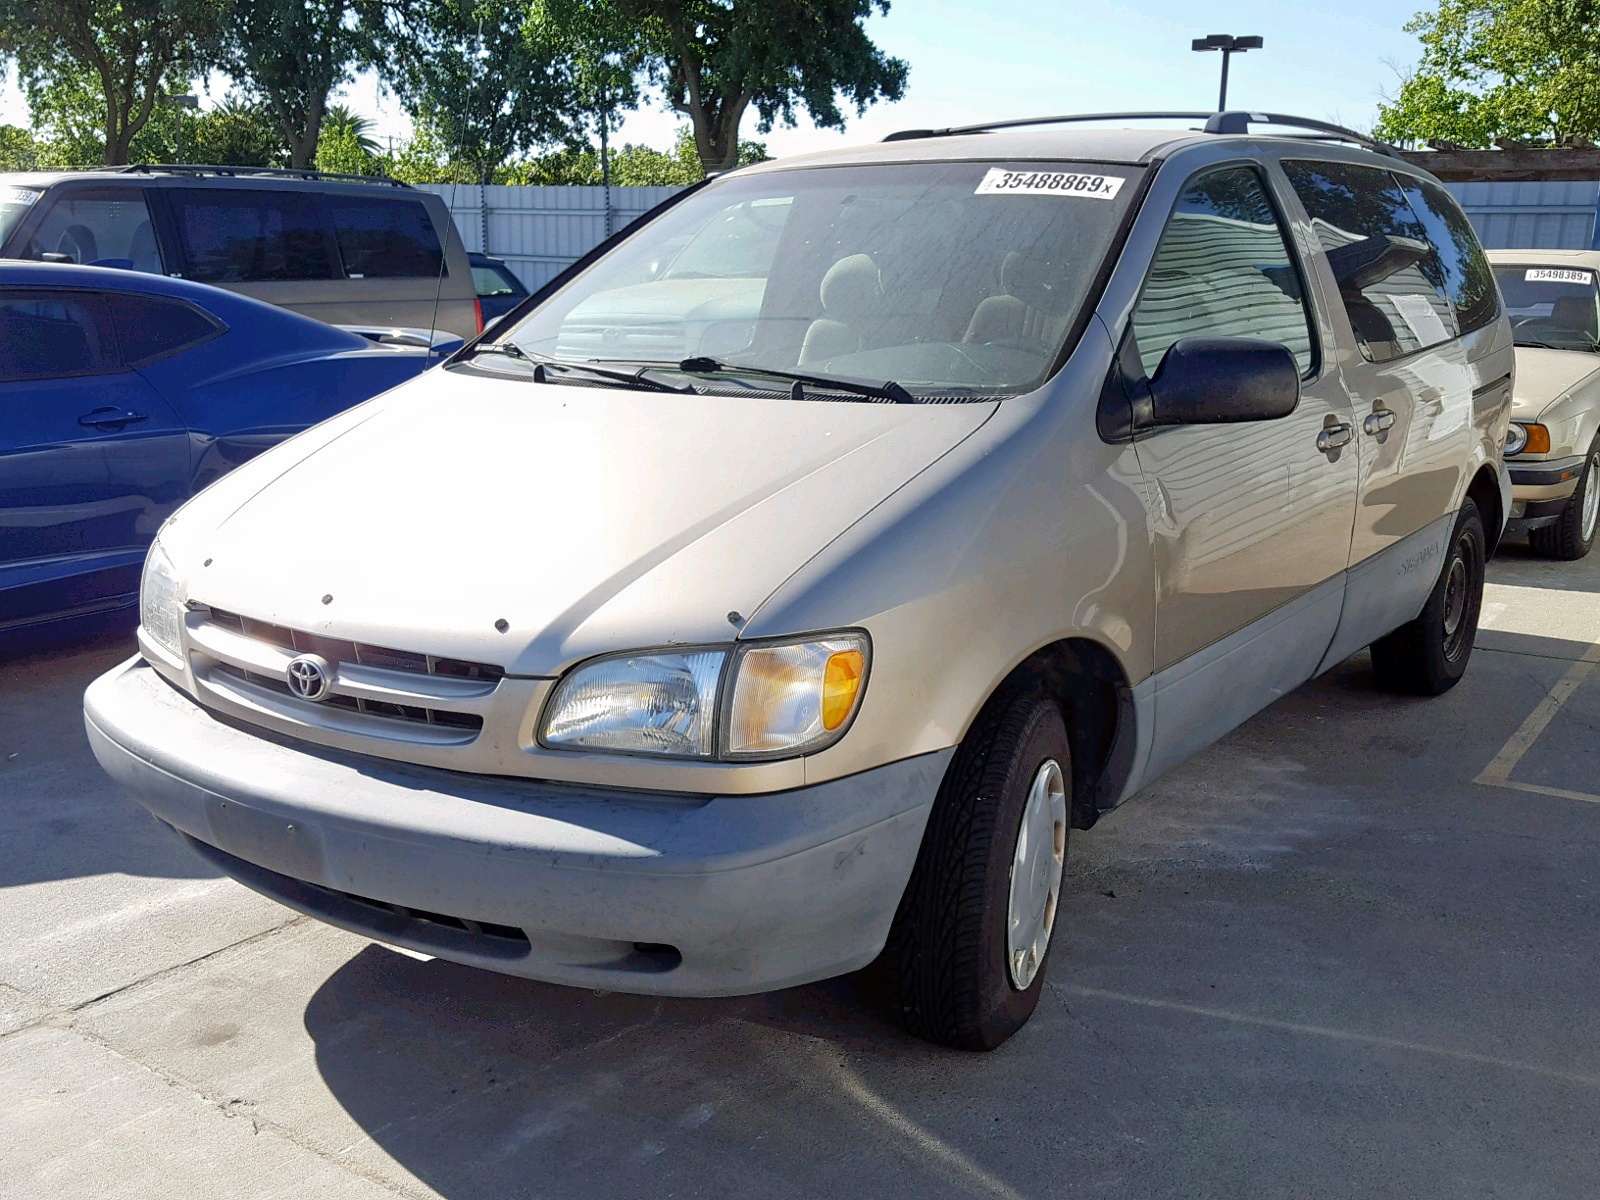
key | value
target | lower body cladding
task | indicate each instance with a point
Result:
(671, 895)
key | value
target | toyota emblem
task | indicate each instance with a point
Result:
(310, 677)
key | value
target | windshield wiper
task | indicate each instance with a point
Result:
(888, 390)
(543, 363)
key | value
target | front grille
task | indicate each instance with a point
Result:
(337, 650)
(376, 708)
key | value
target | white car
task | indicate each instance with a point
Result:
(1553, 448)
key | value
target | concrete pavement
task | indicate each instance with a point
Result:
(1319, 960)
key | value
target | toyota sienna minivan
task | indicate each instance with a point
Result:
(709, 631)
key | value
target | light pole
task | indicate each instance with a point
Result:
(1229, 45)
(180, 103)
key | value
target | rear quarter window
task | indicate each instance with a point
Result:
(383, 238)
(150, 328)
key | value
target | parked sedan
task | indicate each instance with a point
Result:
(124, 394)
(1553, 449)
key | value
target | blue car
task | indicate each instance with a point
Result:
(123, 394)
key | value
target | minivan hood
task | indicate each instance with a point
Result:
(583, 519)
(1546, 375)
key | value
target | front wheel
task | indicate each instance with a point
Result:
(1428, 656)
(969, 945)
(1571, 535)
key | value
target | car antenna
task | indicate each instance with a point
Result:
(438, 287)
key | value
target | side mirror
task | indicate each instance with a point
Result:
(1207, 381)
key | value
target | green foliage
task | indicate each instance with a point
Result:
(291, 54)
(485, 91)
(236, 133)
(426, 158)
(631, 166)
(1522, 69)
(717, 58)
(18, 150)
(339, 149)
(126, 53)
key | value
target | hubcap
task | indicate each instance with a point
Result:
(1462, 582)
(1036, 870)
(1591, 496)
(1455, 596)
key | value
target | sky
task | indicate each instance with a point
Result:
(976, 60)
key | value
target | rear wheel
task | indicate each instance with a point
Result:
(1428, 656)
(970, 942)
(1572, 534)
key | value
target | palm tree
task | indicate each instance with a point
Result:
(341, 119)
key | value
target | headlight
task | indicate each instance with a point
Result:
(656, 703)
(1516, 438)
(160, 611)
(757, 701)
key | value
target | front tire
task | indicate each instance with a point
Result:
(972, 937)
(1428, 656)
(1571, 535)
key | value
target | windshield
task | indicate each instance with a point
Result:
(1553, 307)
(14, 205)
(953, 279)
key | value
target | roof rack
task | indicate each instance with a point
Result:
(263, 172)
(1231, 121)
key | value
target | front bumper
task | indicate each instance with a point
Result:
(1541, 490)
(633, 892)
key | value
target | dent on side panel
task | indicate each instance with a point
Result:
(1031, 531)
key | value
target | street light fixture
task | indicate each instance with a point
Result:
(180, 103)
(1229, 45)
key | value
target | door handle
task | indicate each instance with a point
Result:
(114, 418)
(1378, 421)
(1334, 436)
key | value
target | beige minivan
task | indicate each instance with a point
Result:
(344, 249)
(734, 634)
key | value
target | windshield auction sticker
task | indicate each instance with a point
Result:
(16, 195)
(1557, 275)
(1048, 183)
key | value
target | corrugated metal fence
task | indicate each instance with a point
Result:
(539, 230)
(1531, 215)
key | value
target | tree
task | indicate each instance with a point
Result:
(18, 150)
(717, 58)
(631, 166)
(466, 70)
(236, 133)
(128, 51)
(1521, 69)
(340, 118)
(291, 54)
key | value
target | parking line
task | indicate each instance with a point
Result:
(1498, 772)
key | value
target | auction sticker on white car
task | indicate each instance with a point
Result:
(1048, 183)
(1557, 275)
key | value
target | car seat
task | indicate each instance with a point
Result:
(78, 243)
(1576, 313)
(851, 293)
(1027, 307)
(142, 252)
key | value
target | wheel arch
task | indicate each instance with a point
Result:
(1484, 490)
(1092, 689)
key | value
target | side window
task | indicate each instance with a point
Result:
(492, 281)
(1468, 278)
(385, 239)
(149, 328)
(45, 335)
(1390, 277)
(246, 235)
(1223, 269)
(106, 227)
